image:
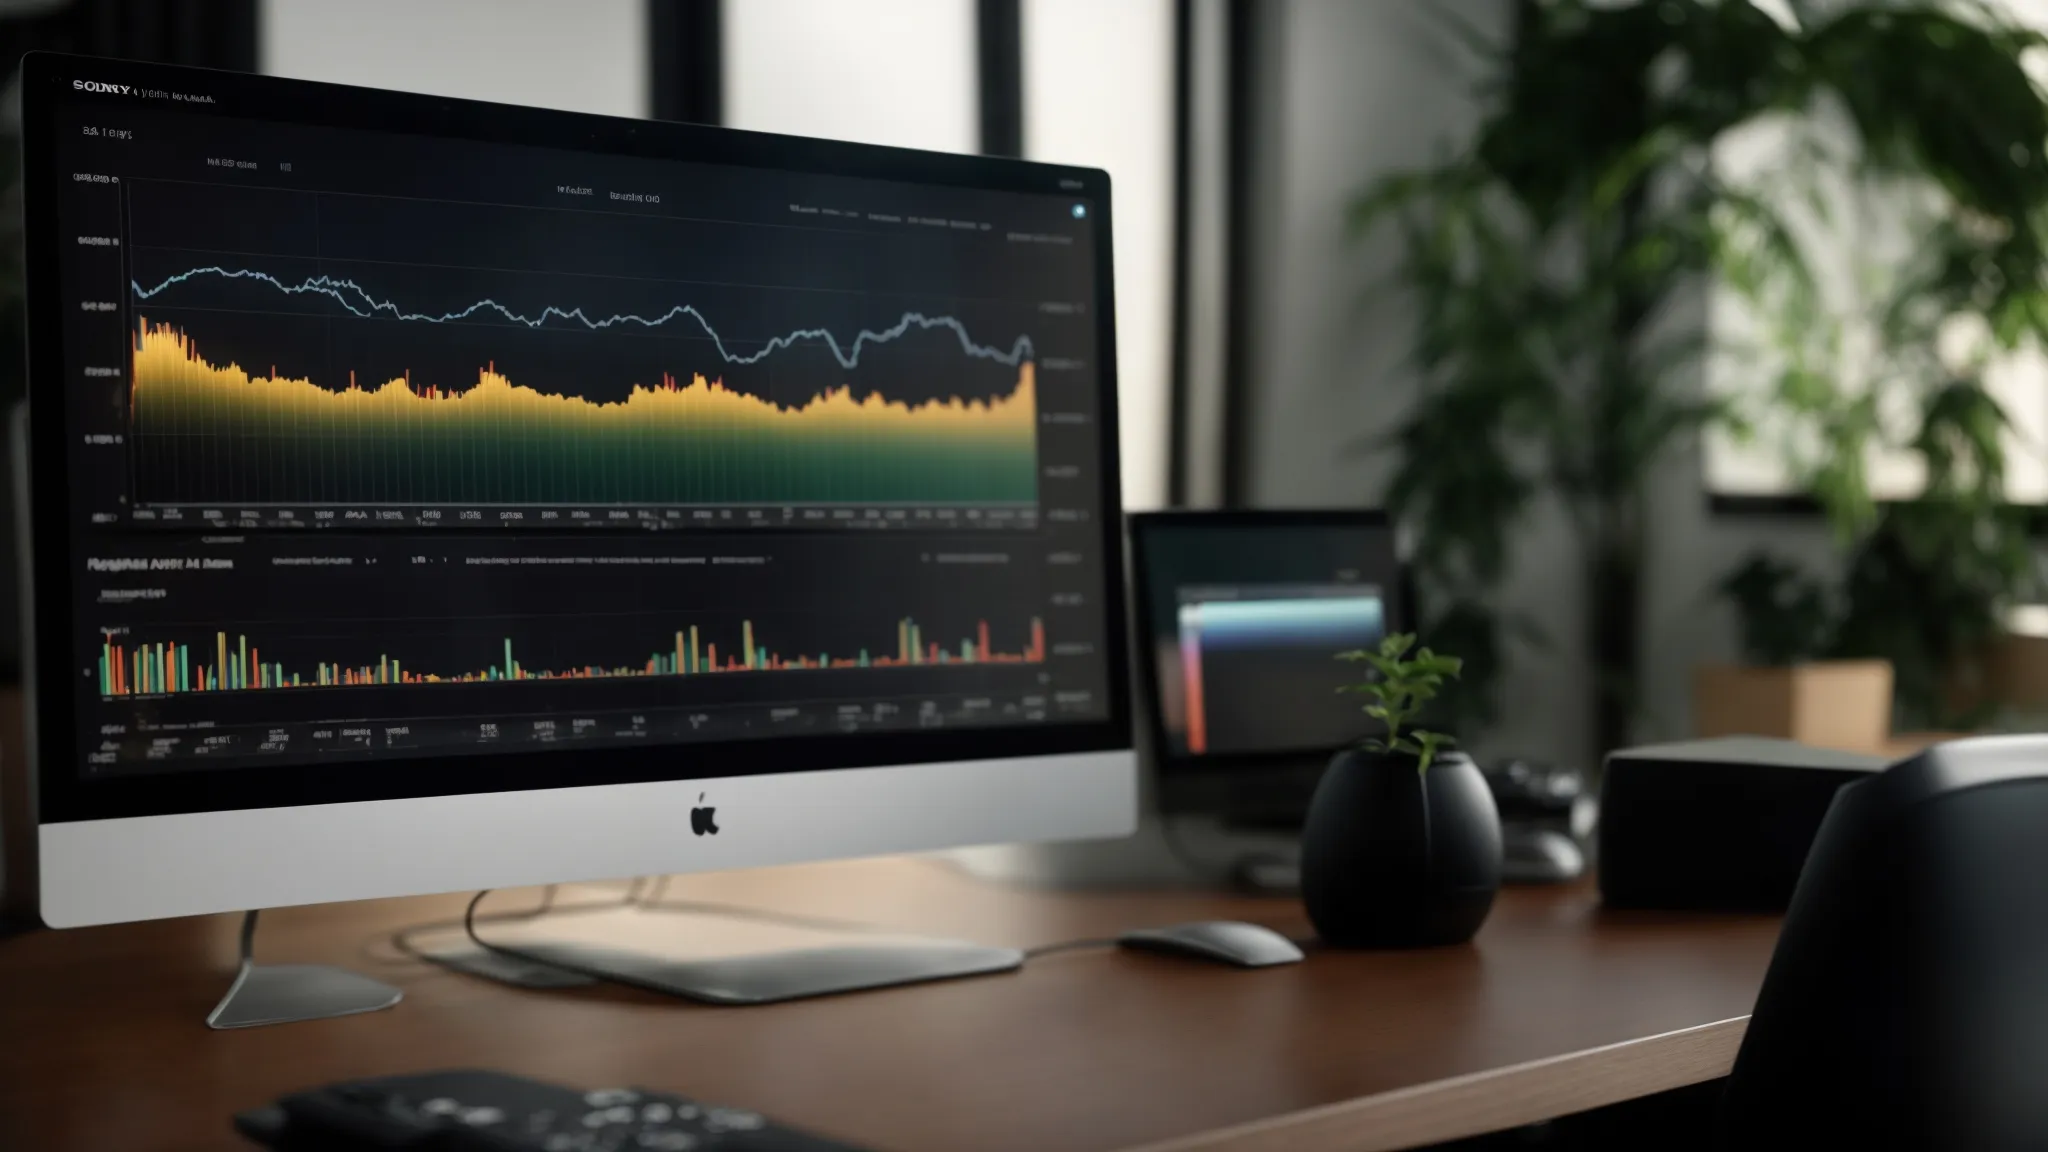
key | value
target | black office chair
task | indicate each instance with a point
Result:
(1907, 1002)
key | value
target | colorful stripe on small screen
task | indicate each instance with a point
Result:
(1338, 622)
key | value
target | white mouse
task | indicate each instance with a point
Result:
(1224, 941)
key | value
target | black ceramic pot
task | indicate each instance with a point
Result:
(1395, 858)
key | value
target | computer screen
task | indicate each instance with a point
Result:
(1241, 617)
(387, 446)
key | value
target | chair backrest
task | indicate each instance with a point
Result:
(1906, 1004)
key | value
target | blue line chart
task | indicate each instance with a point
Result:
(359, 302)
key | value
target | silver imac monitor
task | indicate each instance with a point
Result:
(431, 495)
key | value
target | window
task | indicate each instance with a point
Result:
(589, 56)
(1854, 252)
(1098, 91)
(896, 72)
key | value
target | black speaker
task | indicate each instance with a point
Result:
(1715, 824)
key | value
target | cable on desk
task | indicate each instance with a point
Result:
(643, 893)
(469, 927)
(565, 964)
(1068, 946)
(402, 939)
(469, 923)
(647, 896)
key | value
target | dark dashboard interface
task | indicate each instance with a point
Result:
(1242, 622)
(382, 443)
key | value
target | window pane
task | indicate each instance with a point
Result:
(589, 56)
(880, 71)
(1860, 242)
(1098, 91)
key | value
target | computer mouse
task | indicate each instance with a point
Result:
(1224, 941)
(1540, 856)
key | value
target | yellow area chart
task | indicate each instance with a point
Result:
(211, 431)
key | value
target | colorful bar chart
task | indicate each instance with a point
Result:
(169, 667)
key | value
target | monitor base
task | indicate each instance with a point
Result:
(772, 977)
(504, 967)
(760, 957)
(287, 993)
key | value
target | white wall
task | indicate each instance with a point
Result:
(1360, 90)
(1098, 92)
(586, 56)
(1357, 91)
(896, 72)
(1354, 92)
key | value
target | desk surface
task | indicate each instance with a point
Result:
(1557, 1007)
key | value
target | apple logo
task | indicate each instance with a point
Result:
(703, 820)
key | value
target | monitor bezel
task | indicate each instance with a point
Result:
(1175, 773)
(63, 796)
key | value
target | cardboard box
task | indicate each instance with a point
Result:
(2019, 673)
(1826, 704)
(2008, 676)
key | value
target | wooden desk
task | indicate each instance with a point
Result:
(1558, 1007)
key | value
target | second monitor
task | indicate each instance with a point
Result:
(1240, 618)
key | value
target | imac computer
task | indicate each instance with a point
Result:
(429, 495)
(1240, 617)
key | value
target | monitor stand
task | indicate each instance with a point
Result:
(284, 993)
(641, 925)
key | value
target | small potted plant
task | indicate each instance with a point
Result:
(1402, 847)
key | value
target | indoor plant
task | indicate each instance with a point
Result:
(1556, 264)
(1791, 683)
(1927, 583)
(1402, 845)
(1938, 274)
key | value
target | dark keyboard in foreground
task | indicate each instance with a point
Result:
(493, 1112)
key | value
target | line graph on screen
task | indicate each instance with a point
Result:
(373, 359)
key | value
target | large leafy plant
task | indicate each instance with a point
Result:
(1939, 278)
(1558, 261)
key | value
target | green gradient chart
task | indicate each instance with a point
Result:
(209, 432)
